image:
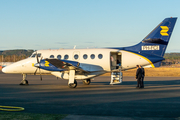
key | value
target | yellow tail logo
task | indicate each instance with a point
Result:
(164, 31)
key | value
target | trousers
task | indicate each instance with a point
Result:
(139, 82)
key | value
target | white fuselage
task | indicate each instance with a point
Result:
(96, 61)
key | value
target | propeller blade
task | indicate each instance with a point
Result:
(38, 67)
(40, 74)
(37, 57)
(35, 71)
(41, 58)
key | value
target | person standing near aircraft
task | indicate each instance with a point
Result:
(118, 64)
(138, 76)
(112, 59)
(143, 74)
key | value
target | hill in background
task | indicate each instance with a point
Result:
(172, 56)
(16, 52)
(14, 55)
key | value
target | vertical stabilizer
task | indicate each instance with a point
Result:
(156, 41)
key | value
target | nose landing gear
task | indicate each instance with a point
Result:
(24, 81)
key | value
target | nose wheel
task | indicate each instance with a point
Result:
(24, 81)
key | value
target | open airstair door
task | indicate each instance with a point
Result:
(115, 59)
(116, 74)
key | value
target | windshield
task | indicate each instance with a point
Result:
(34, 55)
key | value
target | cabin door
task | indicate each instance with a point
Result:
(115, 60)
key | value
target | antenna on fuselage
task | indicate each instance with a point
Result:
(75, 47)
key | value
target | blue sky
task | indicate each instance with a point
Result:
(54, 24)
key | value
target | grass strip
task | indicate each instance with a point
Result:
(30, 116)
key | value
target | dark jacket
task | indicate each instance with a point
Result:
(143, 72)
(139, 73)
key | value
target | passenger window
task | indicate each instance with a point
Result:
(76, 56)
(92, 56)
(52, 56)
(59, 57)
(100, 56)
(66, 57)
(85, 56)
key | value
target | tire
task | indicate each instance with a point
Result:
(24, 82)
(87, 82)
(73, 85)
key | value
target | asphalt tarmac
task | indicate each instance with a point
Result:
(160, 99)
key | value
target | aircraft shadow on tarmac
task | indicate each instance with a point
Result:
(147, 83)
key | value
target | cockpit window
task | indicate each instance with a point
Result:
(39, 54)
(34, 55)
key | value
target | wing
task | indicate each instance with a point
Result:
(60, 65)
(63, 64)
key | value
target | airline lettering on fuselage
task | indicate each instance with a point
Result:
(164, 31)
(150, 47)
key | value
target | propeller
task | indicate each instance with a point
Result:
(38, 66)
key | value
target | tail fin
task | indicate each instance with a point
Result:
(155, 42)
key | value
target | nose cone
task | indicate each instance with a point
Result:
(4, 70)
(7, 69)
(13, 68)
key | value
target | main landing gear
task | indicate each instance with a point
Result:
(73, 85)
(24, 81)
(87, 82)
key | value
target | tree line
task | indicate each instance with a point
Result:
(14, 55)
(173, 58)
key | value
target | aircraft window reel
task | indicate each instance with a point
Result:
(76, 56)
(100, 56)
(52, 56)
(92, 56)
(59, 57)
(66, 57)
(85, 56)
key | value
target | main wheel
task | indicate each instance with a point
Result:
(87, 82)
(24, 82)
(73, 85)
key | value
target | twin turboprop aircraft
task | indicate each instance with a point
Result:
(85, 64)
